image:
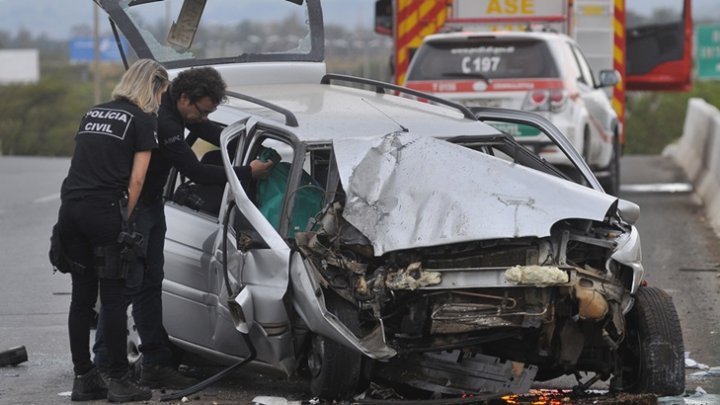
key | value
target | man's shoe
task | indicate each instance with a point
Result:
(124, 389)
(103, 375)
(158, 376)
(88, 386)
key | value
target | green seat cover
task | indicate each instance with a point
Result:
(271, 194)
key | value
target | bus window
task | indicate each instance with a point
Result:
(658, 44)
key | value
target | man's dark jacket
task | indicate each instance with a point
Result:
(173, 150)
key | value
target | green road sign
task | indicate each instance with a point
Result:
(707, 51)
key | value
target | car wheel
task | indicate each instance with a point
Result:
(611, 183)
(134, 355)
(651, 356)
(335, 369)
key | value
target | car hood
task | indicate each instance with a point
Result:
(405, 192)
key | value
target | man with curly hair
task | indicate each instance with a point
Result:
(192, 96)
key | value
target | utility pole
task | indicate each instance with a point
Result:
(96, 51)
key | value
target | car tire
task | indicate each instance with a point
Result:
(651, 356)
(611, 183)
(335, 369)
(134, 355)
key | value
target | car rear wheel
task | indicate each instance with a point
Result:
(652, 358)
(335, 370)
(134, 355)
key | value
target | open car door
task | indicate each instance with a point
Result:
(658, 45)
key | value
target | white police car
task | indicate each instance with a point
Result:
(542, 72)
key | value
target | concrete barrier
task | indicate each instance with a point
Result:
(697, 152)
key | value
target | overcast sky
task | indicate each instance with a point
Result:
(56, 17)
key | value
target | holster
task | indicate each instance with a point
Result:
(113, 261)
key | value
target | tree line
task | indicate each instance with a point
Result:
(42, 118)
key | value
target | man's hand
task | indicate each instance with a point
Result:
(260, 170)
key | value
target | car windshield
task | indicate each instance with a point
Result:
(484, 58)
(194, 32)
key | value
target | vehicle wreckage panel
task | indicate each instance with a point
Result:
(405, 192)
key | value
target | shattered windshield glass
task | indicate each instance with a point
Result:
(194, 30)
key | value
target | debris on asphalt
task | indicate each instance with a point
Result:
(13, 356)
(690, 363)
(711, 372)
(267, 400)
(697, 397)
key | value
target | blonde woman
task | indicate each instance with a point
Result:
(107, 172)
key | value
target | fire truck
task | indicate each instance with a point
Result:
(648, 53)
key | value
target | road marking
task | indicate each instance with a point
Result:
(657, 188)
(47, 198)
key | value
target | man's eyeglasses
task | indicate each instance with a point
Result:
(203, 113)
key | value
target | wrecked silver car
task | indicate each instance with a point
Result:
(398, 240)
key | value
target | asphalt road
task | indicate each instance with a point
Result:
(680, 253)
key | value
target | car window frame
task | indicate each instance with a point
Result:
(173, 182)
(586, 73)
(125, 24)
(547, 128)
(252, 143)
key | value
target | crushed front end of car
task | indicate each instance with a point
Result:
(470, 273)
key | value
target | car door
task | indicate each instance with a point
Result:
(558, 140)
(600, 113)
(250, 274)
(187, 290)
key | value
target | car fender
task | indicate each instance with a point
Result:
(629, 253)
(309, 303)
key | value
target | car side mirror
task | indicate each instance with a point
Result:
(629, 211)
(608, 78)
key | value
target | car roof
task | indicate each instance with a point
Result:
(544, 36)
(326, 111)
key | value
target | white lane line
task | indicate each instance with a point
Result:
(47, 198)
(657, 188)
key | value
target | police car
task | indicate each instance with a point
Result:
(541, 72)
(395, 240)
